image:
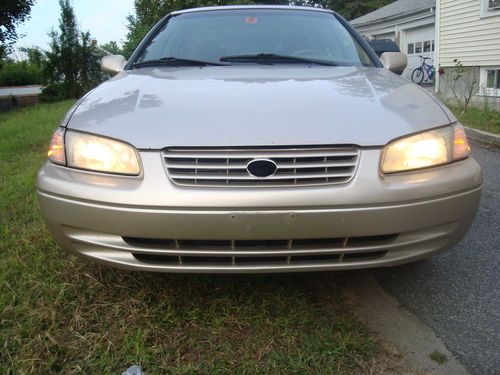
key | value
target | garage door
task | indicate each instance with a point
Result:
(418, 42)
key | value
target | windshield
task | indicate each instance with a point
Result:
(212, 35)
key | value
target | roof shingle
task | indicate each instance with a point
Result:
(396, 8)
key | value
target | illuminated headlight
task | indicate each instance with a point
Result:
(86, 151)
(432, 148)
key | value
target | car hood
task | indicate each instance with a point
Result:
(153, 108)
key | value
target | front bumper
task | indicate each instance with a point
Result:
(148, 223)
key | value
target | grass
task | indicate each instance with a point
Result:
(438, 357)
(59, 314)
(482, 119)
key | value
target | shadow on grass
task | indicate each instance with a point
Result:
(82, 317)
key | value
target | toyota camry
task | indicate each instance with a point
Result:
(257, 139)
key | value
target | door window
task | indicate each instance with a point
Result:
(418, 47)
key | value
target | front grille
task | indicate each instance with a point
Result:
(256, 260)
(293, 251)
(228, 167)
(345, 243)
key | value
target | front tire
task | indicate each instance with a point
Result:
(417, 76)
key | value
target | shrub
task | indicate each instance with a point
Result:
(20, 74)
(53, 92)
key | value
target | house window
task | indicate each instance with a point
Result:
(418, 47)
(494, 4)
(490, 81)
(490, 8)
(411, 47)
(493, 79)
(432, 46)
(427, 46)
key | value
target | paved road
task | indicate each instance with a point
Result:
(458, 293)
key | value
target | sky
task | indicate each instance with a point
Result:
(105, 19)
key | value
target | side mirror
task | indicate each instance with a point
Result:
(396, 62)
(113, 64)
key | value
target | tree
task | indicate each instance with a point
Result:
(36, 55)
(12, 13)
(112, 47)
(26, 72)
(72, 65)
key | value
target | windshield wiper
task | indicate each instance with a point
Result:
(270, 58)
(174, 61)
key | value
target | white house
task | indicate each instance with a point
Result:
(469, 31)
(410, 23)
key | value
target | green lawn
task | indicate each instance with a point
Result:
(59, 314)
(482, 119)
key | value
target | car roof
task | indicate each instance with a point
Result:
(243, 7)
(384, 45)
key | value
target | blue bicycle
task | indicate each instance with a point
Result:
(419, 73)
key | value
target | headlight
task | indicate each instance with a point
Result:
(432, 148)
(56, 149)
(86, 151)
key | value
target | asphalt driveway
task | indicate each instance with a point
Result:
(457, 293)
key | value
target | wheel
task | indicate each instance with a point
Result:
(417, 76)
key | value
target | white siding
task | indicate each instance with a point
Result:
(465, 36)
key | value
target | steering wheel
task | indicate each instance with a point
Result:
(306, 51)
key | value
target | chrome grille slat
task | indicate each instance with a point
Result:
(251, 178)
(244, 165)
(271, 153)
(228, 167)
